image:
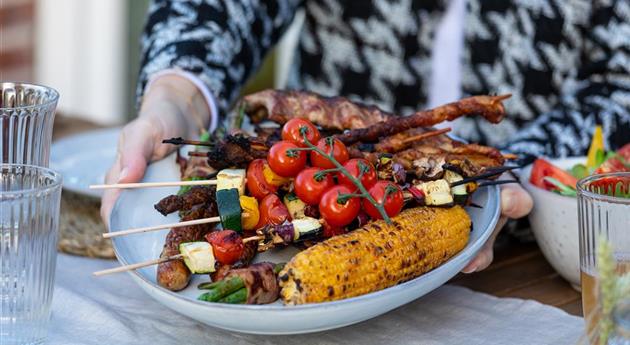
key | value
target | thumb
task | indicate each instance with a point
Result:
(135, 147)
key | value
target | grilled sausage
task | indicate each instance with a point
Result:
(174, 275)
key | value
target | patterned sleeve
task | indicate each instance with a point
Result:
(219, 41)
(601, 95)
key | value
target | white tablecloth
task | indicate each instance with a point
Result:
(113, 310)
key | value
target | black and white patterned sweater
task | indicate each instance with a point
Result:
(566, 62)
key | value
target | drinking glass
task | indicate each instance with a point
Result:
(29, 214)
(603, 214)
(27, 113)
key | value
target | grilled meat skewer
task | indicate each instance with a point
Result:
(489, 107)
(328, 112)
(366, 123)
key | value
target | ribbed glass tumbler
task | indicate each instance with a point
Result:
(29, 214)
(27, 113)
(604, 218)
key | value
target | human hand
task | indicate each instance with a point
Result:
(171, 108)
(515, 203)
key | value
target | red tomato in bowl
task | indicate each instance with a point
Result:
(543, 168)
(611, 165)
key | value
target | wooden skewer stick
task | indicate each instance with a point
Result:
(425, 135)
(253, 238)
(165, 226)
(154, 184)
(136, 266)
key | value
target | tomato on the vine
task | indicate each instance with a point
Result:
(291, 131)
(309, 187)
(355, 167)
(338, 150)
(337, 212)
(227, 246)
(257, 185)
(393, 203)
(284, 160)
(272, 211)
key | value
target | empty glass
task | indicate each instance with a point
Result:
(27, 113)
(604, 214)
(29, 213)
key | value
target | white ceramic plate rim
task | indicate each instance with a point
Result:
(69, 142)
(471, 249)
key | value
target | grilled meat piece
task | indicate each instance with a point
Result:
(236, 151)
(260, 281)
(406, 139)
(489, 107)
(427, 159)
(195, 196)
(174, 275)
(328, 112)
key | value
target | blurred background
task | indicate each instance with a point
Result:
(89, 51)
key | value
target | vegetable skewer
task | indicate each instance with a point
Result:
(165, 226)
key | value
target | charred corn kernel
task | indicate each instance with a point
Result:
(375, 256)
(597, 144)
(274, 179)
(250, 215)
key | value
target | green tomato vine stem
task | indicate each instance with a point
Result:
(364, 193)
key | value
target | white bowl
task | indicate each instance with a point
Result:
(134, 208)
(555, 224)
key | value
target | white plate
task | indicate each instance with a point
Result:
(135, 208)
(83, 159)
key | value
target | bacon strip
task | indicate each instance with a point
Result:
(260, 281)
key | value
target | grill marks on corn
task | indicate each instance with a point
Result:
(376, 256)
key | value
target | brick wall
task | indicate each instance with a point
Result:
(17, 19)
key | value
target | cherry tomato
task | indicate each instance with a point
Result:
(354, 167)
(291, 132)
(284, 162)
(310, 190)
(272, 211)
(227, 246)
(338, 214)
(257, 185)
(393, 203)
(339, 152)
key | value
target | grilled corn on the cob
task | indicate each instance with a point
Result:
(376, 256)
